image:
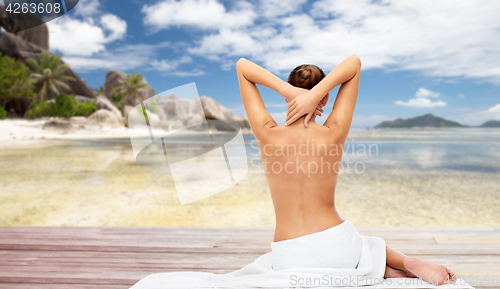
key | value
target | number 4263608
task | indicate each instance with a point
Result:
(39, 8)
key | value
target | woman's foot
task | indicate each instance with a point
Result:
(395, 273)
(429, 272)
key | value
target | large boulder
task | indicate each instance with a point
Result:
(83, 99)
(137, 118)
(173, 113)
(38, 34)
(58, 125)
(242, 121)
(106, 118)
(169, 125)
(114, 80)
(214, 110)
(188, 112)
(103, 103)
(179, 112)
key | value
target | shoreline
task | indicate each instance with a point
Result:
(17, 132)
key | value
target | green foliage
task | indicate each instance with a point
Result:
(48, 76)
(117, 97)
(141, 111)
(99, 90)
(15, 82)
(131, 86)
(85, 109)
(153, 107)
(63, 106)
(3, 113)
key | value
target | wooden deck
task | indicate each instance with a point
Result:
(117, 257)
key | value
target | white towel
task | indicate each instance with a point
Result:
(336, 257)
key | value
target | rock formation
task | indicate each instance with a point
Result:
(106, 118)
(23, 44)
(20, 49)
(177, 113)
(59, 125)
(107, 114)
(214, 110)
(113, 80)
(38, 34)
(83, 99)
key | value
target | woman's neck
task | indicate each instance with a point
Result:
(300, 121)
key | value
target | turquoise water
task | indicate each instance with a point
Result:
(467, 149)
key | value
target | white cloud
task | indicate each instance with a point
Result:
(130, 57)
(461, 95)
(438, 38)
(166, 65)
(122, 58)
(206, 14)
(479, 117)
(273, 8)
(421, 99)
(170, 67)
(114, 25)
(421, 103)
(422, 93)
(87, 8)
(87, 32)
(83, 39)
(495, 109)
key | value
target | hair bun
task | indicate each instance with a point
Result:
(304, 73)
(306, 76)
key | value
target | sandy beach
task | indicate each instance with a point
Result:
(90, 178)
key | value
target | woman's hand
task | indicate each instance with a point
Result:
(304, 104)
(292, 92)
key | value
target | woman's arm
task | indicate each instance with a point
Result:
(259, 75)
(250, 74)
(344, 103)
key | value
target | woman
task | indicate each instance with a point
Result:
(302, 183)
(313, 246)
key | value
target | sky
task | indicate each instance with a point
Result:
(418, 57)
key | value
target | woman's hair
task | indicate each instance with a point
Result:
(306, 76)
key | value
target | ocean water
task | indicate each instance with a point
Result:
(467, 149)
(416, 177)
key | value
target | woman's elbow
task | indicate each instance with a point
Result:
(240, 63)
(356, 60)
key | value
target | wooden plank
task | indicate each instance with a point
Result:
(117, 257)
(466, 240)
(60, 286)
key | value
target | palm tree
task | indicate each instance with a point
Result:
(99, 90)
(131, 86)
(47, 76)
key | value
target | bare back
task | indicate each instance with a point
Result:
(301, 166)
(301, 163)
